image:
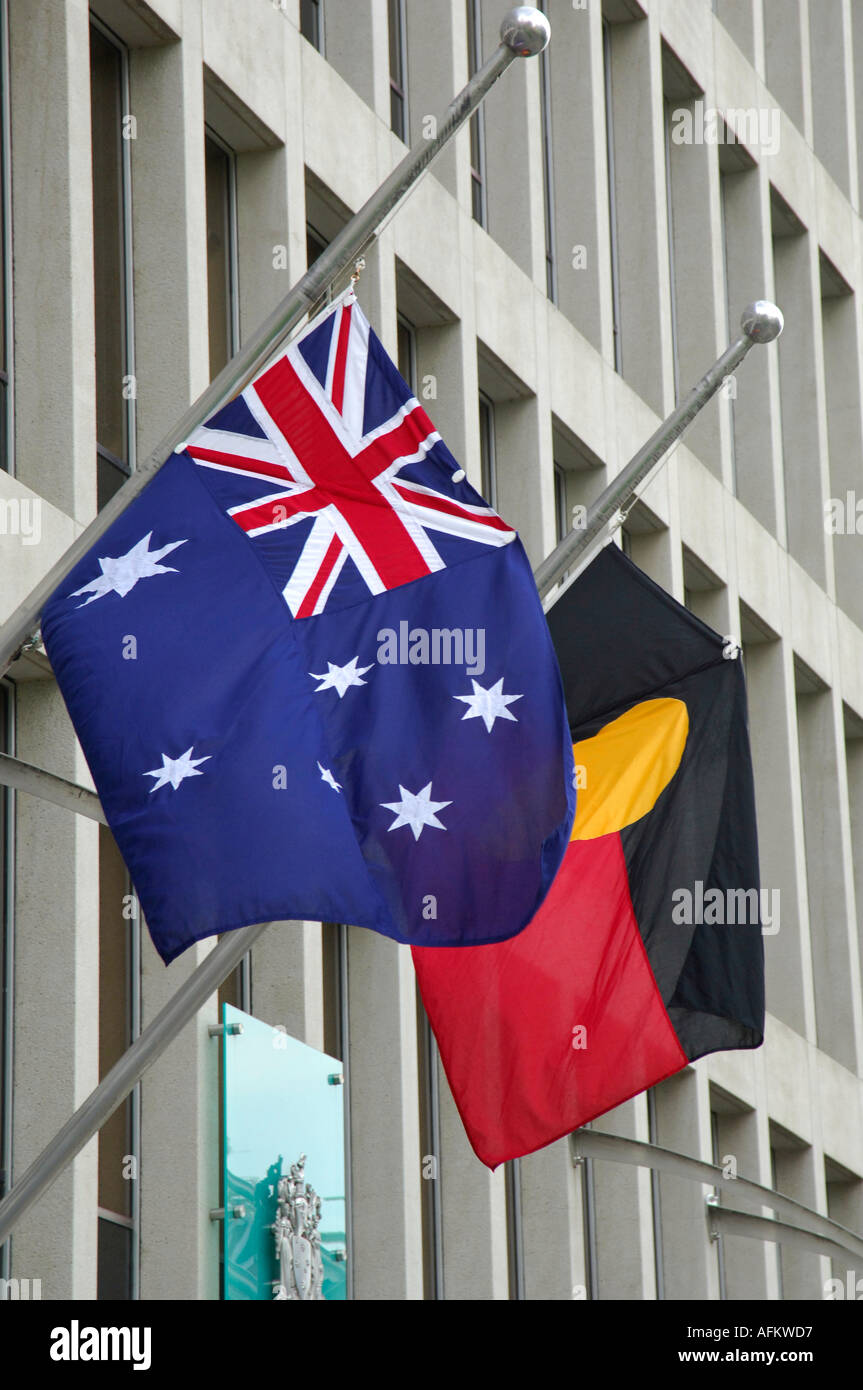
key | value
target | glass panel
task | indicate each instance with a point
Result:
(218, 175)
(110, 477)
(281, 1106)
(5, 992)
(310, 22)
(334, 986)
(3, 178)
(4, 453)
(486, 447)
(315, 245)
(115, 1261)
(477, 140)
(397, 68)
(407, 352)
(106, 89)
(560, 502)
(115, 1190)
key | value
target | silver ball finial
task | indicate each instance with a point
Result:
(525, 30)
(762, 321)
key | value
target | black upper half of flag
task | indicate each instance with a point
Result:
(692, 860)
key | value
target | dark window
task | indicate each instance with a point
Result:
(113, 1281)
(716, 1158)
(316, 244)
(672, 270)
(560, 509)
(430, 1145)
(612, 197)
(5, 257)
(548, 172)
(487, 449)
(656, 1197)
(221, 253)
(119, 1025)
(398, 69)
(114, 395)
(337, 1043)
(6, 1011)
(477, 121)
(312, 23)
(407, 350)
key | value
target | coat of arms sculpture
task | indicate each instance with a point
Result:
(297, 1238)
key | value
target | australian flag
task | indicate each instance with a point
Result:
(310, 672)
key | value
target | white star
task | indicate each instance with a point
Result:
(121, 574)
(488, 705)
(327, 776)
(416, 809)
(174, 770)
(339, 678)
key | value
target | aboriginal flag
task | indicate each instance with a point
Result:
(647, 952)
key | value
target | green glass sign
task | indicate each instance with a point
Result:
(284, 1155)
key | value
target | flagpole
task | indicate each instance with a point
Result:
(761, 322)
(24, 777)
(125, 1074)
(524, 32)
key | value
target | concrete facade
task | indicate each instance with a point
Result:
(656, 244)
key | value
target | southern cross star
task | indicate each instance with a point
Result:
(488, 705)
(416, 809)
(175, 770)
(121, 573)
(339, 678)
(327, 776)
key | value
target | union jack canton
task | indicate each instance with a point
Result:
(331, 463)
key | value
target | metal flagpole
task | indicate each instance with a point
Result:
(761, 323)
(525, 32)
(26, 778)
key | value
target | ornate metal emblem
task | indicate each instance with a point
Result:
(297, 1238)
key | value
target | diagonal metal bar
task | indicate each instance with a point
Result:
(592, 1143)
(727, 1221)
(26, 778)
(113, 1089)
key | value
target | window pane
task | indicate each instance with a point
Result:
(397, 68)
(486, 446)
(560, 501)
(4, 452)
(407, 352)
(5, 1002)
(106, 92)
(115, 1191)
(315, 245)
(110, 476)
(477, 139)
(218, 170)
(3, 176)
(310, 22)
(334, 986)
(115, 1261)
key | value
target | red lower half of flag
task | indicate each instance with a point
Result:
(541, 1033)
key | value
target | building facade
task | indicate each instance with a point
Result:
(572, 264)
